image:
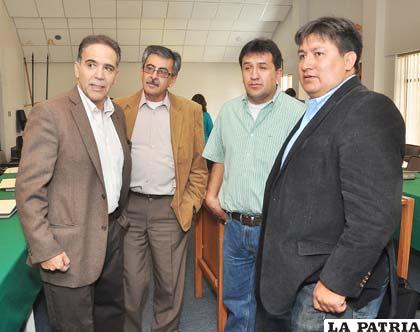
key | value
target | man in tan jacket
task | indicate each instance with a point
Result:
(168, 181)
(72, 183)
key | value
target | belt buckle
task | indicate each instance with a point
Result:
(251, 220)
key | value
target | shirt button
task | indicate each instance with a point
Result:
(252, 135)
(103, 227)
(103, 196)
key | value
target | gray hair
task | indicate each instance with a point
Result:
(99, 39)
(163, 52)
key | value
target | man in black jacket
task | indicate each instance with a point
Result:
(333, 198)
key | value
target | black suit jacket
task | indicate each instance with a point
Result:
(333, 207)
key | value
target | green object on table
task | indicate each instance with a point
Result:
(19, 284)
(411, 188)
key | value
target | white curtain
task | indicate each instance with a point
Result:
(407, 94)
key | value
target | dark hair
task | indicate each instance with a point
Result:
(261, 45)
(291, 92)
(341, 31)
(199, 98)
(163, 52)
(99, 39)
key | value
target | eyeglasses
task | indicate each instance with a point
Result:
(161, 72)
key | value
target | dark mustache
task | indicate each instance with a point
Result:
(153, 81)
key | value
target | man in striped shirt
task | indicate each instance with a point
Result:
(243, 145)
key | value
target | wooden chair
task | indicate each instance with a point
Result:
(209, 234)
(413, 164)
(411, 150)
(405, 236)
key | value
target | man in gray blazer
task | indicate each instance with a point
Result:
(333, 198)
(72, 183)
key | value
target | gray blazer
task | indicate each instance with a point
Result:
(60, 191)
(333, 207)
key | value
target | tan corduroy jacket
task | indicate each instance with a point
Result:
(187, 138)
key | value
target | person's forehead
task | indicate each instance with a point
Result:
(315, 39)
(159, 61)
(99, 51)
(258, 57)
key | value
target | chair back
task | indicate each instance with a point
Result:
(3, 159)
(411, 150)
(413, 164)
(404, 244)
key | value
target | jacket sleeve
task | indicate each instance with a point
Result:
(370, 159)
(36, 168)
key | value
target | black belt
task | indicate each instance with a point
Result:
(150, 196)
(246, 219)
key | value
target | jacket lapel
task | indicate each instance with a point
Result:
(118, 125)
(275, 171)
(176, 117)
(86, 133)
(117, 121)
(131, 109)
(320, 116)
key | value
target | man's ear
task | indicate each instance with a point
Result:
(116, 76)
(350, 60)
(76, 69)
(173, 80)
(279, 73)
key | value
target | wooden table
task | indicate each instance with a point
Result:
(209, 234)
(411, 188)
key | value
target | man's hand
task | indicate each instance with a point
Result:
(213, 204)
(326, 300)
(60, 262)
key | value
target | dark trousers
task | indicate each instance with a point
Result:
(94, 308)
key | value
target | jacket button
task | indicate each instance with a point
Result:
(103, 227)
(103, 196)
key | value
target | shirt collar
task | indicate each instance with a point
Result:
(316, 103)
(276, 94)
(91, 107)
(165, 102)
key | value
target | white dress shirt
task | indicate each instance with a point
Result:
(109, 147)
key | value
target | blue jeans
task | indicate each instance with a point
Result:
(240, 247)
(304, 318)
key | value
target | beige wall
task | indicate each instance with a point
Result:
(302, 12)
(12, 81)
(389, 28)
(352, 9)
(218, 82)
(284, 37)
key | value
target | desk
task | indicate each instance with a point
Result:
(19, 284)
(411, 188)
(209, 234)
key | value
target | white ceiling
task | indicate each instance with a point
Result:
(200, 30)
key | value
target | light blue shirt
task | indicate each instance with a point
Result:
(312, 108)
